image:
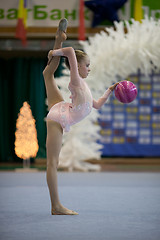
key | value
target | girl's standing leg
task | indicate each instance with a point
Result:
(54, 129)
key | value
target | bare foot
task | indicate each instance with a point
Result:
(61, 36)
(63, 211)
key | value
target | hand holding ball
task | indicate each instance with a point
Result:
(125, 91)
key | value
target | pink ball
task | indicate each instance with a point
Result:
(125, 91)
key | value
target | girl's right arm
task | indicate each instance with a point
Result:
(70, 54)
(98, 104)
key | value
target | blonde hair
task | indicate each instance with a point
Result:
(80, 55)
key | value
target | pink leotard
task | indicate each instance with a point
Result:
(68, 114)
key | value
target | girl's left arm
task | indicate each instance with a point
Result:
(70, 54)
(98, 104)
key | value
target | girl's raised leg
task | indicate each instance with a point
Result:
(53, 93)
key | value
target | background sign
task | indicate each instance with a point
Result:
(133, 129)
(47, 13)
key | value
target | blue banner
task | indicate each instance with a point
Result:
(133, 129)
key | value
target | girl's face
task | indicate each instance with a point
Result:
(83, 67)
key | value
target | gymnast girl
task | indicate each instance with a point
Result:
(61, 114)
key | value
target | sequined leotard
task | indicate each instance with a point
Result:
(68, 114)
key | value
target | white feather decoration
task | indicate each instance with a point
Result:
(112, 53)
(116, 53)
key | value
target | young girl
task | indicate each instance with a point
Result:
(62, 115)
